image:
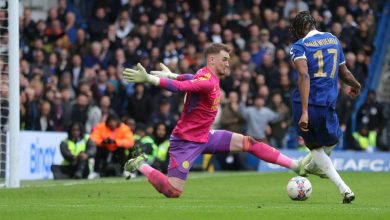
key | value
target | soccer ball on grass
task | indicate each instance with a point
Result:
(299, 188)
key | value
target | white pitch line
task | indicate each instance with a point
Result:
(139, 179)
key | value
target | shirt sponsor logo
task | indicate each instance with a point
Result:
(216, 103)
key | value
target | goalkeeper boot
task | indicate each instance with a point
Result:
(301, 169)
(348, 196)
(133, 164)
(135, 151)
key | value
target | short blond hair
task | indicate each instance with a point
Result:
(215, 48)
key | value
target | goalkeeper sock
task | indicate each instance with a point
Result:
(159, 181)
(146, 169)
(325, 164)
(267, 153)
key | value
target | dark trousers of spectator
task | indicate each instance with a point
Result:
(109, 163)
(77, 169)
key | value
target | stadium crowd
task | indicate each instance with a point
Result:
(71, 62)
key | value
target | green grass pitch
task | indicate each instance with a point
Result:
(238, 195)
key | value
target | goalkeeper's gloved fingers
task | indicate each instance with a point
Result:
(167, 72)
(141, 68)
(157, 73)
(165, 68)
(154, 80)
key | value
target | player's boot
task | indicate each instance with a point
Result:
(348, 197)
(133, 164)
(301, 170)
(311, 168)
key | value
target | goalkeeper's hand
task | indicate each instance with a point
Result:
(164, 73)
(140, 76)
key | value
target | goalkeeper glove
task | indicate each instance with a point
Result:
(140, 76)
(164, 73)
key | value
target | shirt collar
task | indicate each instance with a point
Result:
(312, 33)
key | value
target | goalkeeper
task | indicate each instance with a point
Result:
(192, 135)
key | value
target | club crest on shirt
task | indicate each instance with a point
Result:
(185, 164)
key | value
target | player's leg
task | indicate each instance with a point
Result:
(324, 129)
(310, 137)
(182, 156)
(323, 161)
(226, 141)
(310, 167)
(170, 188)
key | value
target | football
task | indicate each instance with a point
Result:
(299, 188)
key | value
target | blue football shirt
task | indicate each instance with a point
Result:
(323, 54)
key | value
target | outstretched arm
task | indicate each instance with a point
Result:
(141, 76)
(165, 72)
(185, 76)
(196, 86)
(304, 90)
(347, 77)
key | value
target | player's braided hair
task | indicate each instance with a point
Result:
(301, 23)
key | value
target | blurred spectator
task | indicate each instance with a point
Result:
(359, 71)
(123, 25)
(297, 5)
(94, 113)
(231, 119)
(163, 115)
(44, 122)
(266, 44)
(257, 118)
(99, 87)
(112, 138)
(371, 116)
(95, 57)
(66, 105)
(105, 107)
(362, 39)
(32, 109)
(28, 25)
(371, 113)
(70, 27)
(81, 45)
(365, 139)
(349, 29)
(58, 112)
(279, 129)
(279, 34)
(98, 25)
(77, 71)
(139, 104)
(256, 53)
(161, 140)
(80, 109)
(76, 150)
(63, 62)
(269, 70)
